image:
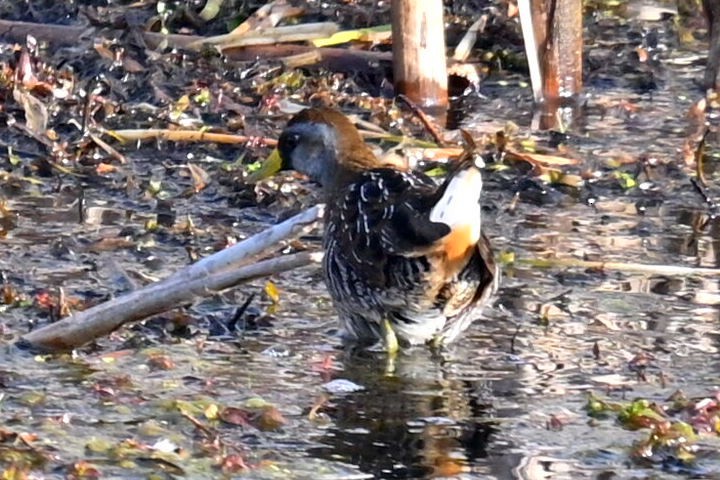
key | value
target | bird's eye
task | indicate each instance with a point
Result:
(291, 140)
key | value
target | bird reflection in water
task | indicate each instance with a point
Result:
(415, 423)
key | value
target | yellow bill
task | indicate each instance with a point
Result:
(269, 167)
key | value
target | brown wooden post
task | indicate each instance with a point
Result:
(541, 24)
(712, 71)
(563, 69)
(419, 61)
(559, 38)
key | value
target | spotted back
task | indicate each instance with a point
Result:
(379, 261)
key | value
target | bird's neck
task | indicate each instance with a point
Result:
(349, 165)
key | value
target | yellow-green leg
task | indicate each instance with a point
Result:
(437, 342)
(391, 342)
(391, 346)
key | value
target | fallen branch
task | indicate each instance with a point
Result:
(206, 277)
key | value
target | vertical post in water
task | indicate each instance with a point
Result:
(712, 71)
(419, 60)
(563, 54)
(557, 38)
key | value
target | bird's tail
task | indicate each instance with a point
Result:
(458, 206)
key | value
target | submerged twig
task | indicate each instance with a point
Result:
(426, 121)
(107, 148)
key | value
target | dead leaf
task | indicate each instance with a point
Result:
(272, 291)
(111, 244)
(84, 470)
(543, 160)
(235, 416)
(233, 463)
(199, 176)
(105, 168)
(270, 418)
(161, 362)
(36, 115)
(131, 65)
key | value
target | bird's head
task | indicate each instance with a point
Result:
(323, 144)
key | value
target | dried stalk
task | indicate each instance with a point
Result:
(531, 49)
(630, 267)
(269, 36)
(185, 136)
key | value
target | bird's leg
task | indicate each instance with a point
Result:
(389, 337)
(391, 346)
(437, 342)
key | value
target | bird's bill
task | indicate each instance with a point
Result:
(269, 167)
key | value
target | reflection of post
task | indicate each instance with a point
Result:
(419, 63)
(557, 26)
(712, 73)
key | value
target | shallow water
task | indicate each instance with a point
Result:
(483, 408)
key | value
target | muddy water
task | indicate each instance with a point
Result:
(485, 408)
(507, 401)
